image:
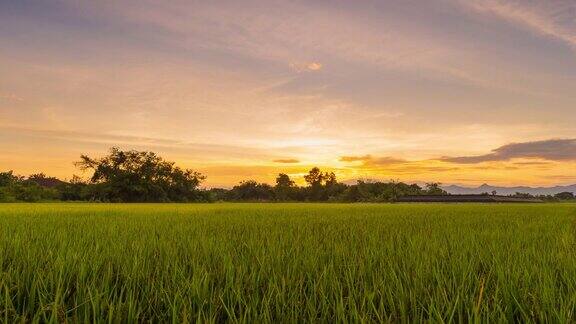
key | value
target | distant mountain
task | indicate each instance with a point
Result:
(459, 190)
(46, 182)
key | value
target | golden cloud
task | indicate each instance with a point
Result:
(373, 161)
(307, 67)
(286, 161)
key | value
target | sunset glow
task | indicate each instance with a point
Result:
(452, 91)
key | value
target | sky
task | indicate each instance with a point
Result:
(452, 91)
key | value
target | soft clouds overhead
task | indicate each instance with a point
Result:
(251, 87)
(369, 160)
(287, 161)
(554, 18)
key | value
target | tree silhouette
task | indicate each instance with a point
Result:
(285, 188)
(132, 176)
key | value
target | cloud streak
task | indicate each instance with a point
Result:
(307, 67)
(553, 150)
(554, 18)
(286, 161)
(199, 151)
(299, 32)
(10, 97)
(369, 160)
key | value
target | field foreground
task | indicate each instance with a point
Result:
(287, 262)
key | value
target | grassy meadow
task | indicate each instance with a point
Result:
(287, 262)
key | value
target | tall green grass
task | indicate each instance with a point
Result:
(287, 263)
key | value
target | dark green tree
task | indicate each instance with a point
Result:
(564, 196)
(285, 188)
(251, 190)
(379, 191)
(18, 188)
(433, 188)
(133, 176)
(8, 178)
(322, 186)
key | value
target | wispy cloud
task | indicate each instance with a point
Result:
(199, 150)
(362, 158)
(10, 96)
(286, 161)
(304, 34)
(553, 150)
(369, 160)
(554, 18)
(274, 82)
(307, 67)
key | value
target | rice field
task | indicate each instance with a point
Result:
(287, 262)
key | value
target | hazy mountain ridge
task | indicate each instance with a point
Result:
(460, 190)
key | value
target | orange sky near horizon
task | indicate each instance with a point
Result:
(452, 91)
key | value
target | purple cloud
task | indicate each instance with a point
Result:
(553, 150)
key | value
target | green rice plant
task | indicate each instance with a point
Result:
(287, 262)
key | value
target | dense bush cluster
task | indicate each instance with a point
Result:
(126, 176)
(121, 176)
(133, 176)
(17, 188)
(321, 187)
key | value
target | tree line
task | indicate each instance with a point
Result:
(134, 176)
